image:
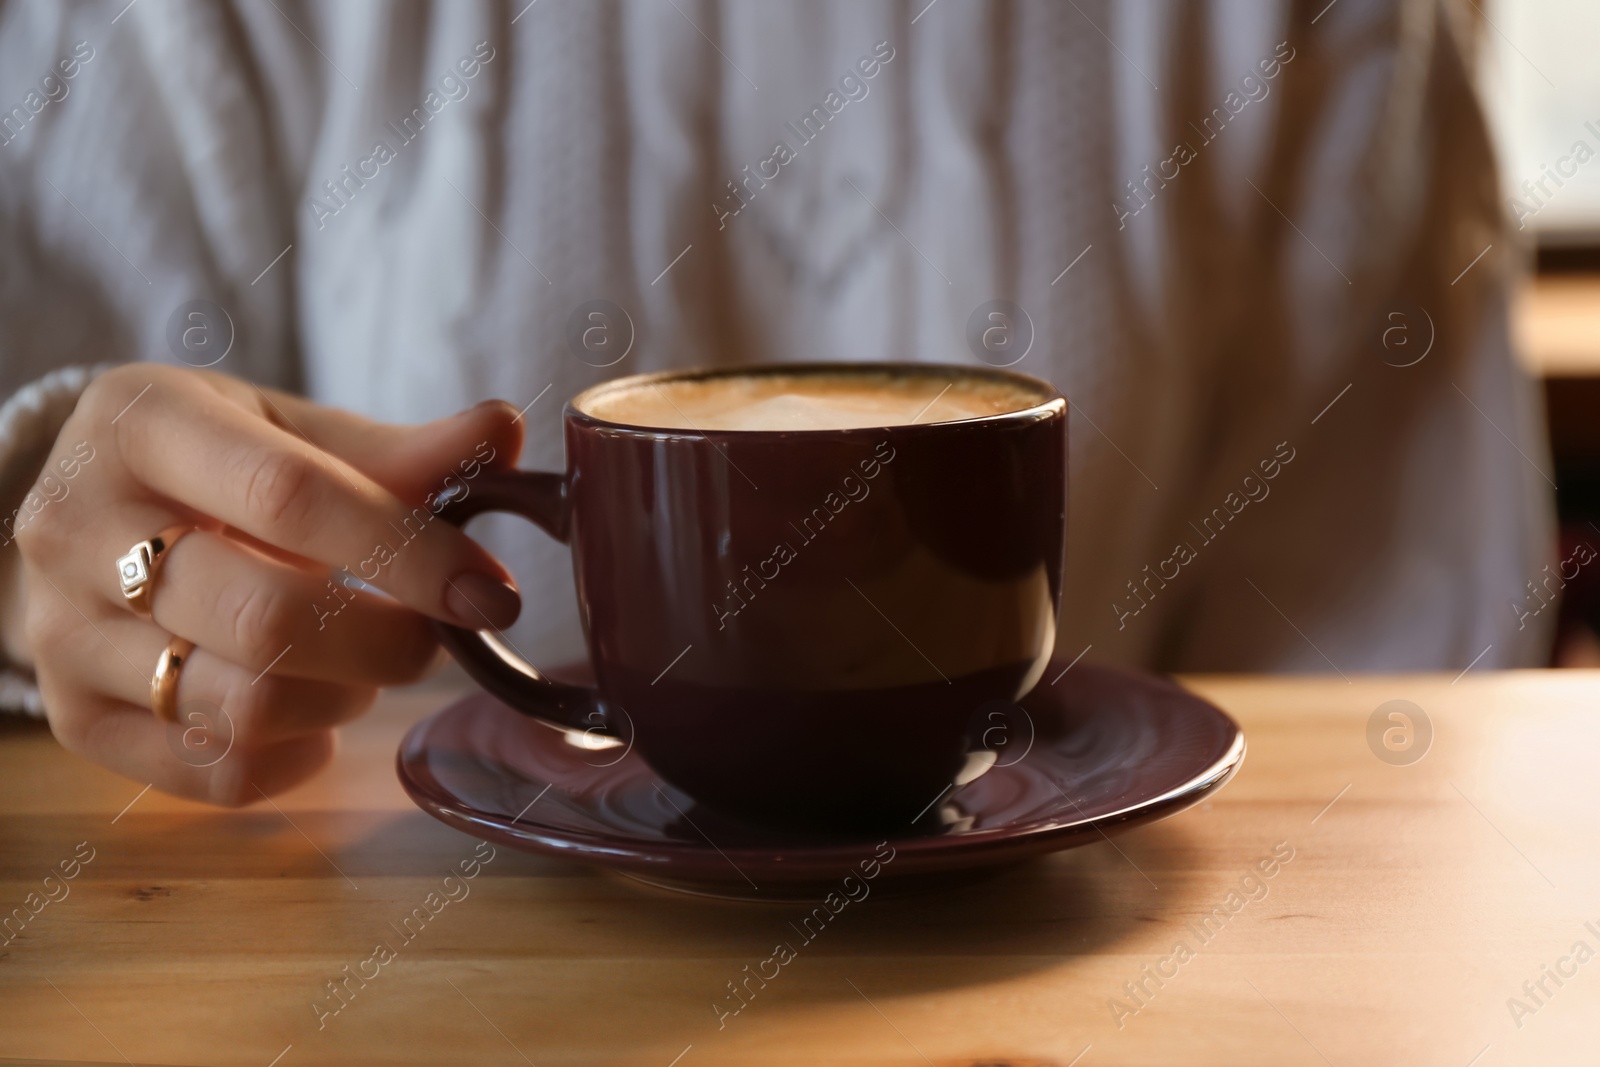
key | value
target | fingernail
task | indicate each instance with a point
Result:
(479, 601)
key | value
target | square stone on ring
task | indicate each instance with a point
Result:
(134, 569)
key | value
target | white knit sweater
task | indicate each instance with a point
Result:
(1209, 214)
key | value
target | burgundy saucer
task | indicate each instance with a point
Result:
(1098, 752)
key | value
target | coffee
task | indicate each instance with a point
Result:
(815, 401)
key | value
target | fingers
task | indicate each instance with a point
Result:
(255, 708)
(240, 735)
(127, 739)
(199, 449)
(280, 492)
(264, 613)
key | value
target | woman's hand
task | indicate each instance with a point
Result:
(283, 493)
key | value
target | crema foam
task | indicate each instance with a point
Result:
(808, 401)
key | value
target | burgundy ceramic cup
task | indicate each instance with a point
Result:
(796, 627)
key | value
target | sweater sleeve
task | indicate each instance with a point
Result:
(29, 422)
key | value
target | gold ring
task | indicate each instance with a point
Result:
(164, 683)
(136, 572)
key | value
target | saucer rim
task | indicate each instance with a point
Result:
(992, 844)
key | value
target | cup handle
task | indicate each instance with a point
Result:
(486, 656)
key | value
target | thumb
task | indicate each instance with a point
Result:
(409, 461)
(412, 461)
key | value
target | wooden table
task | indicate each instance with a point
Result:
(1418, 900)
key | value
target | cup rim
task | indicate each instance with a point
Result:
(1051, 400)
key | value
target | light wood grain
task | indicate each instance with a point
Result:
(1412, 909)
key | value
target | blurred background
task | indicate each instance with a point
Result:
(1541, 83)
